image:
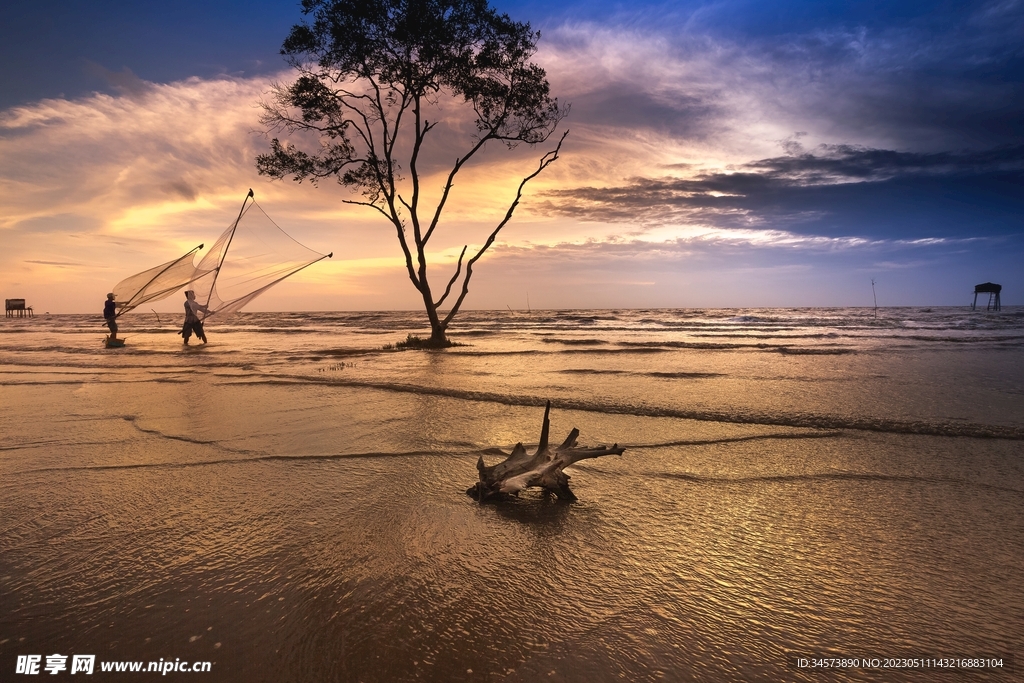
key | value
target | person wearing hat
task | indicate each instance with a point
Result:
(192, 321)
(110, 315)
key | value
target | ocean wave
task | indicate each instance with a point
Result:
(304, 457)
(92, 380)
(584, 318)
(831, 476)
(589, 371)
(958, 340)
(919, 326)
(663, 375)
(343, 352)
(806, 420)
(745, 335)
(804, 351)
(822, 434)
(684, 375)
(731, 346)
(479, 333)
(50, 443)
(751, 319)
(540, 352)
(134, 421)
(692, 345)
(575, 342)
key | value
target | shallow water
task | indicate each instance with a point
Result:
(288, 501)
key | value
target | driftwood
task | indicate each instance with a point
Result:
(521, 470)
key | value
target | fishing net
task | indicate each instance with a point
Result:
(156, 283)
(249, 258)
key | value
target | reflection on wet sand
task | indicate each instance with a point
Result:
(293, 524)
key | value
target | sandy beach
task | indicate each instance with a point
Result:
(288, 502)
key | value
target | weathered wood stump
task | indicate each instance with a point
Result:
(521, 470)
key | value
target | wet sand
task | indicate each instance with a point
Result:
(304, 518)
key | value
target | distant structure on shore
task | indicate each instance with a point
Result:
(17, 306)
(992, 289)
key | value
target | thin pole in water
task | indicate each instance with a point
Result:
(873, 296)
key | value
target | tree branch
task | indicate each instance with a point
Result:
(449, 183)
(451, 282)
(545, 161)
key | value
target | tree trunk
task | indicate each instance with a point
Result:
(438, 338)
(543, 469)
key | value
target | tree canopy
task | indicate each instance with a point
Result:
(370, 72)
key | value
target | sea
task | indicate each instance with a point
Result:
(806, 494)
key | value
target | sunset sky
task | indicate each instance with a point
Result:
(723, 153)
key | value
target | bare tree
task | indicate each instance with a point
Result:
(369, 73)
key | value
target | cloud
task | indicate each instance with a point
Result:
(729, 270)
(711, 142)
(901, 128)
(124, 81)
(122, 182)
(53, 263)
(930, 77)
(850, 163)
(106, 156)
(820, 192)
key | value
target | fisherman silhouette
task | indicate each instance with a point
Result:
(192, 322)
(110, 315)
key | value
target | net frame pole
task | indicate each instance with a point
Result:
(224, 254)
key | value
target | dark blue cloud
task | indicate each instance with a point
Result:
(935, 88)
(923, 75)
(836, 191)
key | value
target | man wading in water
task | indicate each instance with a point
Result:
(192, 321)
(110, 315)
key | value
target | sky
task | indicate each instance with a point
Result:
(720, 154)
